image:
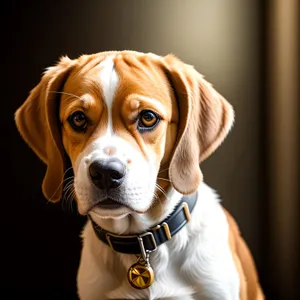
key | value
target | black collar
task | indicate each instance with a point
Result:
(151, 239)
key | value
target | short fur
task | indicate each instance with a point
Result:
(207, 259)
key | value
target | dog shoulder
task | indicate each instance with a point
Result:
(217, 243)
(208, 264)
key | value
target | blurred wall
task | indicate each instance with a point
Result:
(283, 147)
(222, 39)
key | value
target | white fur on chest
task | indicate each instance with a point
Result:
(195, 264)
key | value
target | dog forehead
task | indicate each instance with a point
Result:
(109, 79)
(127, 73)
(112, 76)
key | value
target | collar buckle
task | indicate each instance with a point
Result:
(145, 252)
(140, 238)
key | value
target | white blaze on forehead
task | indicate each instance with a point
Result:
(109, 80)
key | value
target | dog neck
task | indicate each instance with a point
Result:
(136, 223)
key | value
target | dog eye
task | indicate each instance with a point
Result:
(78, 120)
(147, 120)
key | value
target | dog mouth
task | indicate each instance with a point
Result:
(109, 204)
(114, 206)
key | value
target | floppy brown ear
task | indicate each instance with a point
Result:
(38, 124)
(205, 120)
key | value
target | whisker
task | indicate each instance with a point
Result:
(69, 193)
(69, 201)
(155, 195)
(163, 170)
(71, 198)
(68, 187)
(62, 182)
(68, 170)
(158, 200)
(71, 178)
(164, 179)
(161, 190)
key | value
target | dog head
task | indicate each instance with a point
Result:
(130, 123)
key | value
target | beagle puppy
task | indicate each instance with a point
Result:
(134, 128)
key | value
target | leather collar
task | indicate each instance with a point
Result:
(149, 241)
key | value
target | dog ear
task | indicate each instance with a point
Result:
(205, 120)
(38, 123)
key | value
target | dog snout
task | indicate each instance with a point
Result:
(107, 174)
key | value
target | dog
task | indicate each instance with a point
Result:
(135, 128)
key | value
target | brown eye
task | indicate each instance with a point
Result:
(78, 121)
(147, 120)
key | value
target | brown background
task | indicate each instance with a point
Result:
(247, 49)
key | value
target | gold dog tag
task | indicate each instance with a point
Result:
(140, 276)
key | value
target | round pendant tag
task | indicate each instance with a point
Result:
(140, 276)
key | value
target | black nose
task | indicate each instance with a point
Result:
(107, 174)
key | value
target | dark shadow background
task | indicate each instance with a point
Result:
(224, 40)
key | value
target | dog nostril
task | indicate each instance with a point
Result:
(96, 176)
(117, 169)
(94, 171)
(116, 175)
(107, 174)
